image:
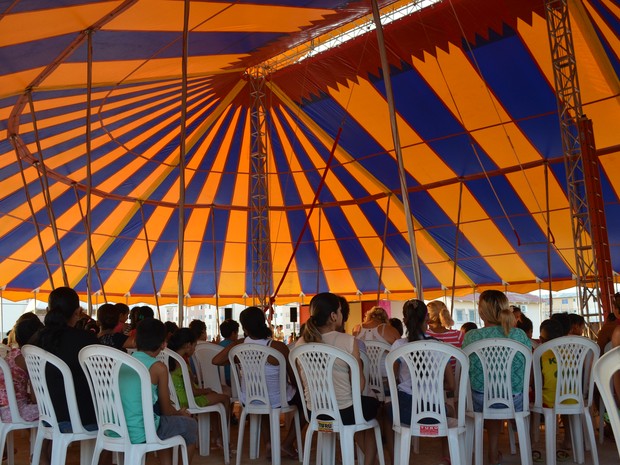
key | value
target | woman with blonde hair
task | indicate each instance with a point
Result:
(439, 323)
(376, 327)
(499, 322)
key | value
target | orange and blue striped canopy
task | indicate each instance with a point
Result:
(474, 103)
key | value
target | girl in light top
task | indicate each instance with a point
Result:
(376, 327)
(324, 326)
(439, 323)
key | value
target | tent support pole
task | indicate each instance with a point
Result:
(34, 218)
(399, 155)
(456, 246)
(45, 189)
(385, 229)
(77, 198)
(549, 277)
(181, 240)
(89, 172)
(150, 257)
(215, 277)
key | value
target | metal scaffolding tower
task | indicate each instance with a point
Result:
(261, 246)
(593, 264)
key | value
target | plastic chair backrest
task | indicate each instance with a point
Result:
(575, 356)
(377, 351)
(603, 373)
(426, 363)
(37, 360)
(209, 375)
(7, 378)
(164, 357)
(497, 356)
(103, 366)
(248, 369)
(313, 365)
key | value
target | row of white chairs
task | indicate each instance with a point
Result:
(426, 361)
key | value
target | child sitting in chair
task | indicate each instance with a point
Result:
(150, 340)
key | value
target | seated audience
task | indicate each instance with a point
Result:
(107, 318)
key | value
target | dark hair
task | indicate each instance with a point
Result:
(26, 328)
(576, 319)
(414, 317)
(150, 335)
(107, 316)
(552, 327)
(61, 305)
(465, 327)
(398, 324)
(344, 308)
(178, 339)
(525, 324)
(564, 321)
(122, 308)
(228, 327)
(171, 328)
(197, 327)
(252, 320)
(322, 306)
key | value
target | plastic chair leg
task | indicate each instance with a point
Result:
(456, 446)
(254, 435)
(525, 447)
(204, 434)
(38, 445)
(478, 437)
(511, 438)
(224, 424)
(403, 445)
(87, 448)
(576, 433)
(240, 436)
(274, 430)
(550, 429)
(590, 435)
(379, 442)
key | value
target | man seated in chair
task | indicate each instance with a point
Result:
(169, 422)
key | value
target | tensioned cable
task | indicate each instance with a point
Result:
(89, 172)
(150, 258)
(181, 238)
(45, 189)
(34, 217)
(456, 245)
(320, 187)
(318, 251)
(548, 239)
(503, 126)
(79, 205)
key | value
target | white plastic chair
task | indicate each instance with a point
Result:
(203, 414)
(575, 356)
(209, 375)
(248, 362)
(603, 372)
(17, 422)
(37, 361)
(102, 366)
(426, 363)
(313, 365)
(601, 407)
(497, 356)
(377, 351)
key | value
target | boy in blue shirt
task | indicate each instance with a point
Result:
(169, 422)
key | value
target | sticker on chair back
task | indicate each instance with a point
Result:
(326, 426)
(429, 430)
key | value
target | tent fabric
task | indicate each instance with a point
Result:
(477, 117)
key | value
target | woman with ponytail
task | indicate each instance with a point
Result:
(60, 337)
(439, 323)
(499, 321)
(324, 326)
